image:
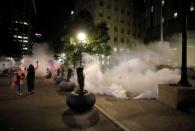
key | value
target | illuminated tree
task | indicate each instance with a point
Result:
(97, 37)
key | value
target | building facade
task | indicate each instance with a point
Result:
(118, 14)
(169, 12)
(16, 26)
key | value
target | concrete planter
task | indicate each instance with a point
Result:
(176, 97)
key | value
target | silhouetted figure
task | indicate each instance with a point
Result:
(49, 74)
(31, 78)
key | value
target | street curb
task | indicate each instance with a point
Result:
(112, 119)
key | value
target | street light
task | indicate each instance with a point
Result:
(81, 36)
(161, 21)
(80, 100)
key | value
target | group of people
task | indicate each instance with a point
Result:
(19, 77)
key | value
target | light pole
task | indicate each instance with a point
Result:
(81, 37)
(161, 20)
(80, 76)
(184, 81)
(80, 100)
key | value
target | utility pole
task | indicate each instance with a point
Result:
(161, 20)
(184, 81)
(34, 6)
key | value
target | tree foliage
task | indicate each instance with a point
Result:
(97, 37)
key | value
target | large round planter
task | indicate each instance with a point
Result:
(66, 85)
(80, 102)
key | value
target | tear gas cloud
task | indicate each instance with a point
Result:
(132, 72)
(41, 54)
(135, 72)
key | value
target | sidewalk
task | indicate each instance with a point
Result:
(146, 115)
(46, 110)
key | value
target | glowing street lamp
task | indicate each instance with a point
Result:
(80, 100)
(80, 76)
(81, 37)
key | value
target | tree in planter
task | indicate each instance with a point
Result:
(96, 42)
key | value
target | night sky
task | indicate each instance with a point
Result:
(51, 16)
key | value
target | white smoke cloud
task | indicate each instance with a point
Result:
(41, 54)
(133, 72)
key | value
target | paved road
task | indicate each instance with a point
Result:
(47, 110)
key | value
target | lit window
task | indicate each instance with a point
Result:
(25, 23)
(19, 36)
(192, 7)
(163, 20)
(152, 9)
(25, 48)
(25, 41)
(115, 49)
(25, 37)
(38, 34)
(72, 12)
(175, 14)
(163, 2)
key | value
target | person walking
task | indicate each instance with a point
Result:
(31, 77)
